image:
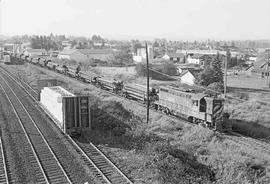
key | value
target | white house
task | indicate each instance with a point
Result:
(174, 57)
(187, 77)
(137, 59)
(166, 57)
(142, 52)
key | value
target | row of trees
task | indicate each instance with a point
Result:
(45, 42)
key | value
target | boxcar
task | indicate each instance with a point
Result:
(71, 112)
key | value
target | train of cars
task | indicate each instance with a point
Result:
(198, 108)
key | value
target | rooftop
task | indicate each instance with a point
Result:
(95, 51)
(61, 91)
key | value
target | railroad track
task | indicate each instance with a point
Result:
(97, 162)
(46, 165)
(3, 168)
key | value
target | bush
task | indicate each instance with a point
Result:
(216, 86)
(177, 166)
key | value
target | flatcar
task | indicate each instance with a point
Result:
(43, 62)
(110, 84)
(35, 60)
(51, 65)
(61, 69)
(198, 108)
(88, 78)
(72, 72)
(139, 92)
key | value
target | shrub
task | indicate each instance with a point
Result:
(216, 86)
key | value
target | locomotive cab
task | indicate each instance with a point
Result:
(199, 102)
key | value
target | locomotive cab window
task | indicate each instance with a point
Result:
(202, 105)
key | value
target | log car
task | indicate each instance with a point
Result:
(139, 92)
(110, 84)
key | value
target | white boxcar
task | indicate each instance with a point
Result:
(71, 112)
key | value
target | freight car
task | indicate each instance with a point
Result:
(71, 112)
(35, 61)
(110, 84)
(7, 59)
(198, 108)
(139, 93)
(72, 72)
(51, 65)
(42, 62)
(88, 78)
(63, 69)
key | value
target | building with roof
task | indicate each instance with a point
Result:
(189, 76)
(141, 52)
(35, 52)
(177, 57)
(86, 55)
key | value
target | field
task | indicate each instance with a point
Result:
(165, 150)
(253, 81)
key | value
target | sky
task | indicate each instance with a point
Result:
(139, 19)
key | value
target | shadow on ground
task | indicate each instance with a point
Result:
(251, 129)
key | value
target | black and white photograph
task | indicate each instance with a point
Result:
(135, 91)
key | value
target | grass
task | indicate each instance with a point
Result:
(247, 81)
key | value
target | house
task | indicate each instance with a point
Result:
(97, 54)
(193, 60)
(35, 52)
(142, 52)
(202, 52)
(86, 55)
(263, 68)
(178, 57)
(188, 77)
(71, 54)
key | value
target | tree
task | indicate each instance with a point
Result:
(205, 77)
(212, 73)
(123, 57)
(217, 67)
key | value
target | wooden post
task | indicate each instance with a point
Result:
(147, 67)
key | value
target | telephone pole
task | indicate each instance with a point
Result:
(225, 72)
(147, 67)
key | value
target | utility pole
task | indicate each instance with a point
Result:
(225, 73)
(147, 67)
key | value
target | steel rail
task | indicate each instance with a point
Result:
(3, 171)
